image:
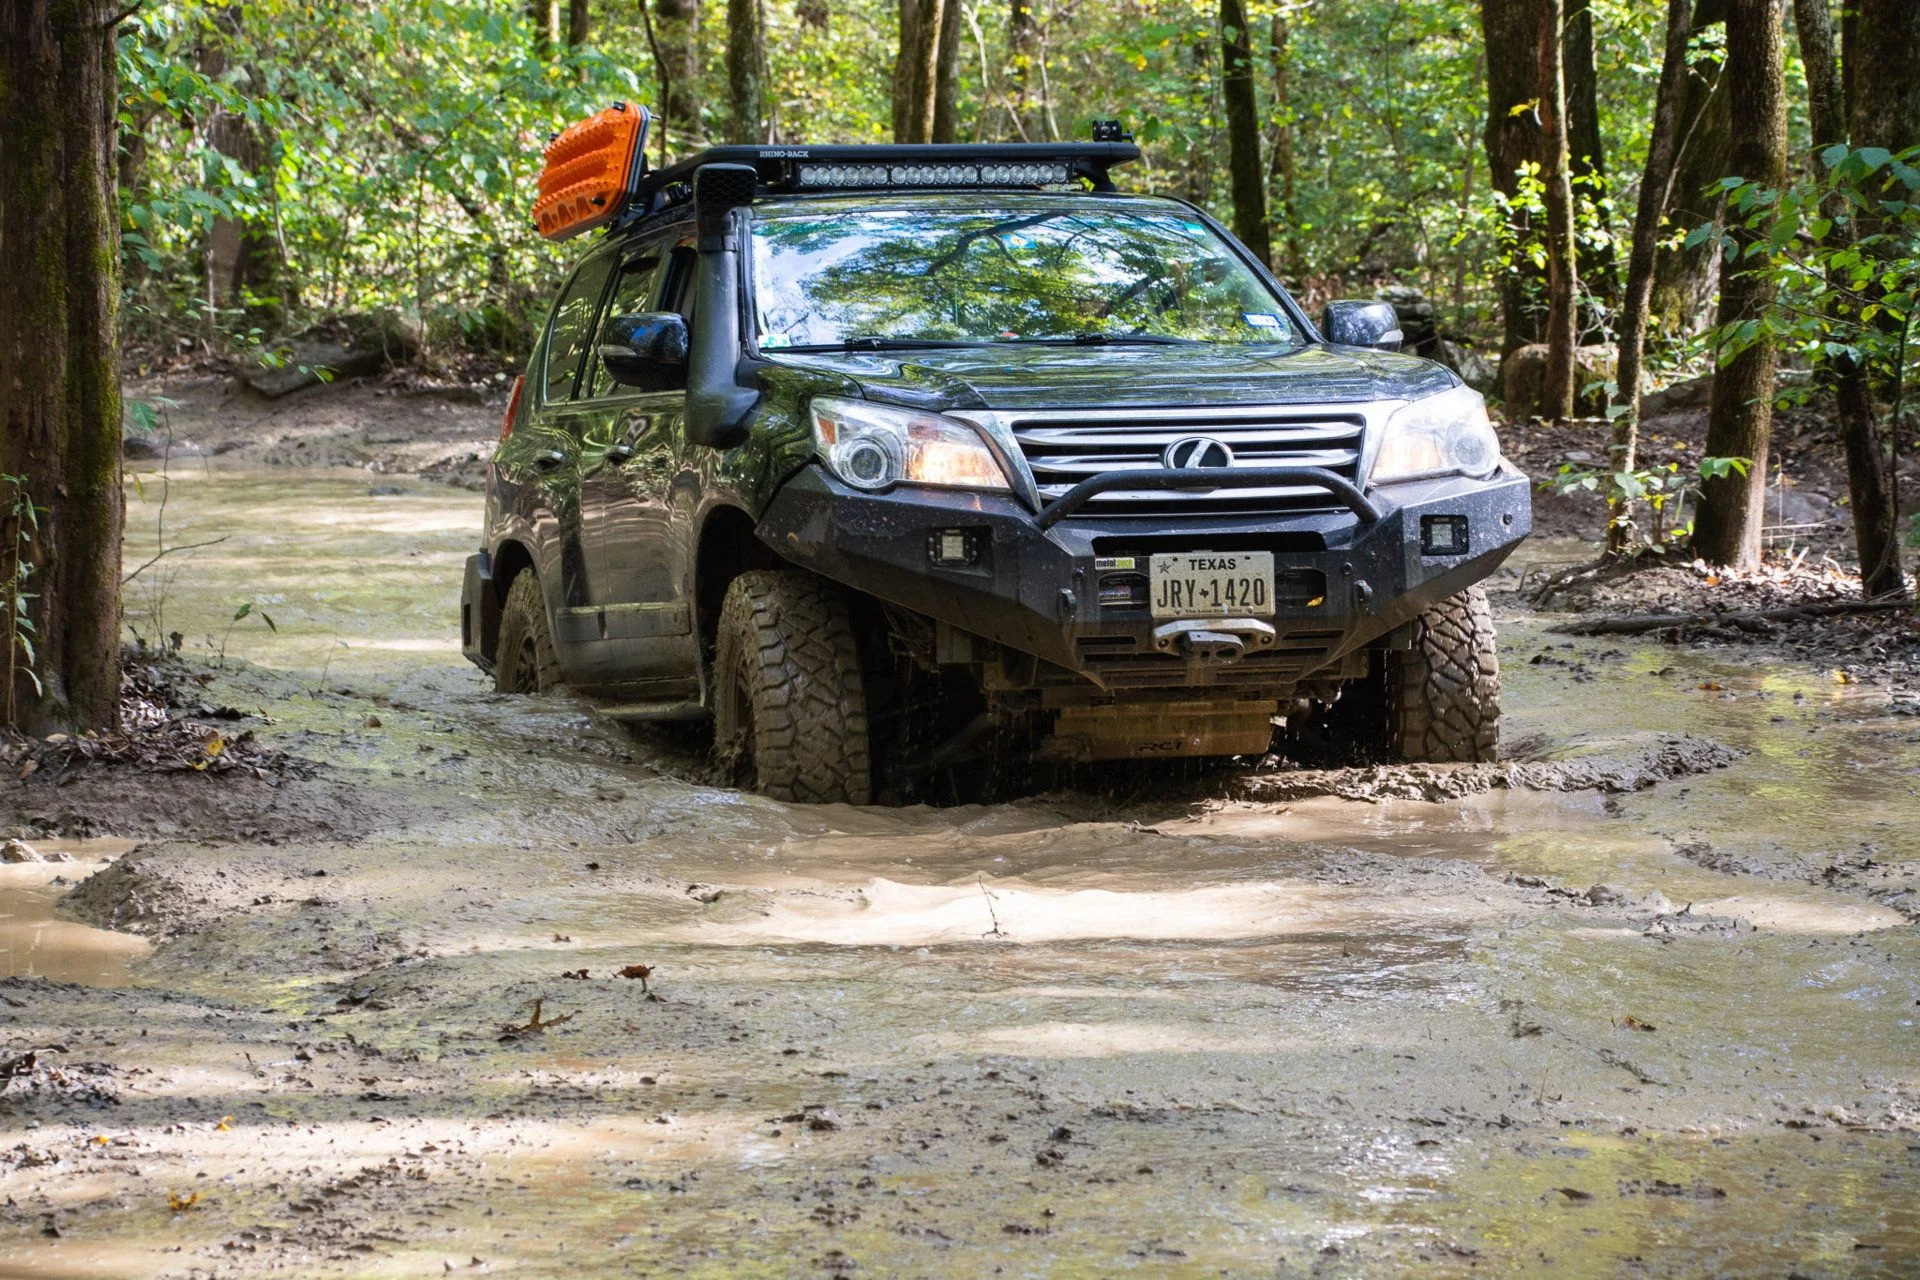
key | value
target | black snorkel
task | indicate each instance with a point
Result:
(717, 405)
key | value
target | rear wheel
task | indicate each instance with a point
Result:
(789, 704)
(525, 661)
(1443, 694)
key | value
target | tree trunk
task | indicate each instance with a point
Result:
(1556, 400)
(60, 398)
(244, 264)
(1021, 41)
(1511, 29)
(746, 70)
(1683, 276)
(1883, 59)
(1655, 190)
(916, 69)
(946, 75)
(1284, 170)
(545, 17)
(674, 31)
(579, 22)
(1598, 269)
(1740, 418)
(1246, 175)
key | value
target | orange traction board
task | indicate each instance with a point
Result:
(592, 166)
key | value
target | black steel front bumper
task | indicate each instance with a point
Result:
(1037, 589)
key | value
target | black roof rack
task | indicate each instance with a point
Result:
(931, 166)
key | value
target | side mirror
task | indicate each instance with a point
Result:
(648, 350)
(1359, 323)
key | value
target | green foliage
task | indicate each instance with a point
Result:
(20, 521)
(1665, 490)
(384, 151)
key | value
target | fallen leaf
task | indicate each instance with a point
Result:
(1632, 1023)
(639, 971)
(373, 722)
(575, 973)
(179, 1203)
(226, 1123)
(563, 937)
(1574, 1193)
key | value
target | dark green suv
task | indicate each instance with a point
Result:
(891, 460)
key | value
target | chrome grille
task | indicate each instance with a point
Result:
(1064, 448)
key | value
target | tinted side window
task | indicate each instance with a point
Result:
(633, 292)
(572, 327)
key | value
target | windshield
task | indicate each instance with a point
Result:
(837, 276)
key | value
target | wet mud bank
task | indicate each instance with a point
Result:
(1642, 998)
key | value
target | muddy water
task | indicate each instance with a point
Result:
(1077, 1034)
(36, 942)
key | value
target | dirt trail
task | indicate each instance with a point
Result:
(1642, 999)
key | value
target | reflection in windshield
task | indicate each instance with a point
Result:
(867, 277)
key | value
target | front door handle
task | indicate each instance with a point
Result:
(549, 459)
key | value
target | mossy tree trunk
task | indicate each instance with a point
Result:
(746, 70)
(1244, 170)
(1882, 50)
(1586, 149)
(59, 364)
(916, 69)
(1740, 417)
(1511, 29)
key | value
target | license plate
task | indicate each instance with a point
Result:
(1211, 584)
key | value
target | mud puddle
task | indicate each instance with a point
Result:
(1664, 1022)
(37, 942)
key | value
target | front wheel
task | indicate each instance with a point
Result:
(1443, 694)
(789, 703)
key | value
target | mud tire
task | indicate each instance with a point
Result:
(1443, 694)
(525, 661)
(789, 702)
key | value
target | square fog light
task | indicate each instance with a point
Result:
(1443, 535)
(955, 548)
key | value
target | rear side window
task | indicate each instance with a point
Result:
(572, 327)
(633, 293)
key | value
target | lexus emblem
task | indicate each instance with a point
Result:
(1194, 453)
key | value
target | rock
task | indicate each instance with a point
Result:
(1474, 369)
(19, 851)
(141, 447)
(1789, 505)
(1656, 902)
(1419, 322)
(387, 491)
(1523, 380)
(1677, 398)
(353, 347)
(1605, 894)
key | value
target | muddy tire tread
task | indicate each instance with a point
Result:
(524, 614)
(787, 637)
(1444, 694)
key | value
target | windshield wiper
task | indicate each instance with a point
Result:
(872, 342)
(1095, 339)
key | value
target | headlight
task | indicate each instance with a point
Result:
(871, 447)
(1444, 434)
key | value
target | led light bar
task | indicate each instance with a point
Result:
(933, 175)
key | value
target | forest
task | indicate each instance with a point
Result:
(967, 736)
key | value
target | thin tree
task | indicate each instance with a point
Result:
(1245, 172)
(1022, 39)
(746, 70)
(59, 346)
(1740, 416)
(1556, 400)
(1684, 273)
(1882, 94)
(672, 28)
(579, 22)
(1656, 190)
(1869, 479)
(946, 75)
(1585, 147)
(1283, 170)
(545, 17)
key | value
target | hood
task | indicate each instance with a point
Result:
(1031, 377)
